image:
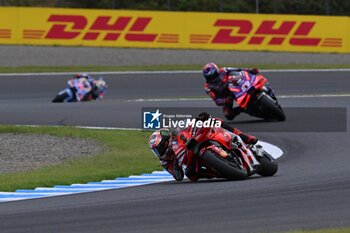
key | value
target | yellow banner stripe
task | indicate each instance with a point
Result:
(185, 30)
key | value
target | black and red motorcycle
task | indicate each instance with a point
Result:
(223, 153)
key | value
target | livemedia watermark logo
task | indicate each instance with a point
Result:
(151, 119)
(169, 118)
(299, 119)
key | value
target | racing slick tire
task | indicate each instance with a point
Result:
(271, 110)
(226, 169)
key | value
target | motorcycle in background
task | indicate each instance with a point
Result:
(254, 96)
(82, 90)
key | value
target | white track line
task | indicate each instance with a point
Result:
(166, 72)
(207, 99)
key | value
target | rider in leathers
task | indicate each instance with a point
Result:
(218, 82)
(94, 89)
(163, 143)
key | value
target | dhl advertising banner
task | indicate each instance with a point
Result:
(153, 29)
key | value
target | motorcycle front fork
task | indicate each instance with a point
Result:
(248, 160)
(268, 90)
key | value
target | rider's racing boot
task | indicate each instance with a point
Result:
(195, 174)
(246, 138)
(231, 113)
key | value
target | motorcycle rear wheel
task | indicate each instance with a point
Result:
(271, 110)
(225, 168)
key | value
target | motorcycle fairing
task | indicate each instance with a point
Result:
(244, 85)
(81, 88)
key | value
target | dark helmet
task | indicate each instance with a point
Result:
(211, 72)
(159, 142)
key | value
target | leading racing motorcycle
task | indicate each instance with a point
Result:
(223, 153)
(254, 96)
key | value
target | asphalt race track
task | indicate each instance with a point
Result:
(310, 191)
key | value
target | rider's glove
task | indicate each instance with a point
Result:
(168, 155)
(236, 111)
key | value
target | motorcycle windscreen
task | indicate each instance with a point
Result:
(242, 87)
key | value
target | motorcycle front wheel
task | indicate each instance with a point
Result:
(224, 168)
(267, 166)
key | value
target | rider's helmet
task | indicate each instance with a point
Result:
(211, 72)
(159, 142)
(98, 87)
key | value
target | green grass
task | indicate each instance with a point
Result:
(28, 69)
(126, 154)
(337, 230)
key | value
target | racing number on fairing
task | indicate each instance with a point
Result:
(245, 86)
